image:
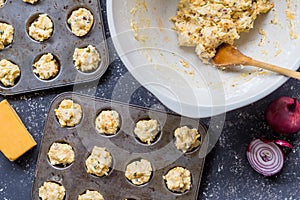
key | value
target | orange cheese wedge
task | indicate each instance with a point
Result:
(15, 140)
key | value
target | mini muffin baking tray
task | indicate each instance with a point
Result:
(124, 148)
(24, 50)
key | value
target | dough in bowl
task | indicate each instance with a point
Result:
(205, 24)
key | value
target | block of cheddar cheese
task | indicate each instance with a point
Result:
(15, 140)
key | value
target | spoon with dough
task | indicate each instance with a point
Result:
(228, 55)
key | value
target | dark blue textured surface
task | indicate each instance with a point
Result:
(227, 174)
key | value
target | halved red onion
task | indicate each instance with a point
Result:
(265, 156)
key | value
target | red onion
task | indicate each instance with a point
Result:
(283, 115)
(265, 156)
(282, 143)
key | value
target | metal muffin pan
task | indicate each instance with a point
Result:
(24, 50)
(124, 149)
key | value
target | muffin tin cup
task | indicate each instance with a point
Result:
(124, 148)
(62, 43)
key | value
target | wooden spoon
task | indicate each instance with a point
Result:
(227, 55)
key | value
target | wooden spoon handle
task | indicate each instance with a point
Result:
(274, 68)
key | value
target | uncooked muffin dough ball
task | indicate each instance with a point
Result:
(86, 59)
(2, 2)
(186, 138)
(61, 154)
(81, 21)
(147, 130)
(41, 29)
(139, 172)
(8, 72)
(51, 191)
(68, 113)
(107, 122)
(91, 195)
(99, 162)
(6, 34)
(46, 67)
(178, 179)
(31, 1)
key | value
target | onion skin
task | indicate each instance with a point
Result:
(281, 143)
(283, 115)
(265, 158)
